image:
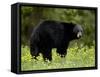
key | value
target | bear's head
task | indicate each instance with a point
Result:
(77, 31)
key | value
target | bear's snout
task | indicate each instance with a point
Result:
(79, 35)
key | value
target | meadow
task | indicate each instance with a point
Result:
(77, 56)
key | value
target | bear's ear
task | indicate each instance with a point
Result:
(71, 23)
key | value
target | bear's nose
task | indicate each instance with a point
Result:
(79, 34)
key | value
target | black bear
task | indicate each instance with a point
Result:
(53, 34)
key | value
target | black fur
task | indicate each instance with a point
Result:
(52, 34)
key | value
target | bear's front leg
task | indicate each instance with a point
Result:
(62, 52)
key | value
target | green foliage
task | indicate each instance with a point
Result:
(31, 16)
(82, 56)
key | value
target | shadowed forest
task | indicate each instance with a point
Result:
(81, 53)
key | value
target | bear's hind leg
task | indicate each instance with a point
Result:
(34, 52)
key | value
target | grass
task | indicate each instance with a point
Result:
(76, 57)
